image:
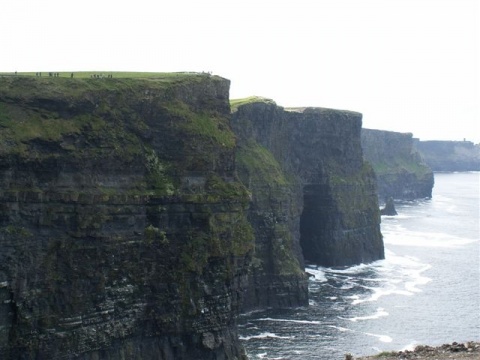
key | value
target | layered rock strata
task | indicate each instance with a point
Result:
(123, 228)
(400, 170)
(126, 233)
(315, 200)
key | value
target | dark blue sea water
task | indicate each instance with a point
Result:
(426, 291)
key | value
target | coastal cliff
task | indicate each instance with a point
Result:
(138, 216)
(123, 228)
(400, 170)
(450, 155)
(316, 200)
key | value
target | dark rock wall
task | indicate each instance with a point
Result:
(450, 155)
(400, 170)
(125, 232)
(340, 219)
(277, 277)
(324, 194)
(123, 229)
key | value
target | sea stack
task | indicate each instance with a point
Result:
(389, 208)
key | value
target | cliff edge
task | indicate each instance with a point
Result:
(400, 170)
(316, 200)
(123, 228)
(138, 216)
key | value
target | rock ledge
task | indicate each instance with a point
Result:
(468, 350)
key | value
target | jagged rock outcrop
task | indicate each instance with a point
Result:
(450, 155)
(400, 170)
(316, 192)
(123, 229)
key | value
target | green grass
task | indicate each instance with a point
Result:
(30, 125)
(208, 125)
(261, 165)
(25, 85)
(21, 123)
(235, 103)
(116, 74)
(272, 190)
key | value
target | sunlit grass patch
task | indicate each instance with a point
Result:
(235, 103)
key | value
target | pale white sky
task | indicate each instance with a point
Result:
(407, 65)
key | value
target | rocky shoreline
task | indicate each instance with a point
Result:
(468, 350)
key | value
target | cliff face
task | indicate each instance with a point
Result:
(400, 170)
(317, 192)
(125, 232)
(123, 229)
(450, 155)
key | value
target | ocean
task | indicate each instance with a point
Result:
(426, 291)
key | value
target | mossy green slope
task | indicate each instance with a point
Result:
(272, 201)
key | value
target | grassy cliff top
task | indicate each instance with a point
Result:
(236, 103)
(53, 108)
(172, 76)
(32, 84)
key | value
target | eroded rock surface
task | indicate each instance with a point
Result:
(400, 169)
(469, 350)
(315, 201)
(123, 229)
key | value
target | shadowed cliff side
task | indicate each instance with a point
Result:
(400, 170)
(317, 193)
(277, 277)
(123, 229)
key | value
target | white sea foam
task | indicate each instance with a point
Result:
(352, 270)
(291, 321)
(396, 275)
(378, 293)
(265, 335)
(249, 313)
(378, 314)
(417, 279)
(347, 286)
(382, 338)
(395, 218)
(318, 274)
(339, 328)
